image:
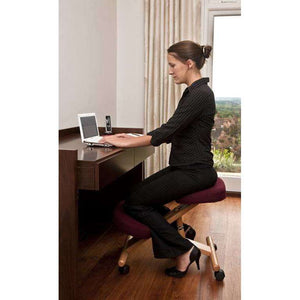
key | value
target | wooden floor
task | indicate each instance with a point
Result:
(99, 277)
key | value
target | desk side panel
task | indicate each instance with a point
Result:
(87, 176)
(68, 223)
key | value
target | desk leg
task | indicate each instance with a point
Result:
(68, 225)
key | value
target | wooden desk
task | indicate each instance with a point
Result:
(85, 168)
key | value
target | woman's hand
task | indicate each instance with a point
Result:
(124, 140)
(118, 140)
(124, 135)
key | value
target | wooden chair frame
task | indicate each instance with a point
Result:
(176, 214)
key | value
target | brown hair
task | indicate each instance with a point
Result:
(185, 50)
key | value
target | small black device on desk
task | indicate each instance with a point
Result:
(108, 129)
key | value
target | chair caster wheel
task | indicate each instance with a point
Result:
(124, 270)
(216, 248)
(219, 275)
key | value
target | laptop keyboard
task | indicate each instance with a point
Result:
(94, 139)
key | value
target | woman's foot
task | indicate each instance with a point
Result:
(183, 263)
(183, 260)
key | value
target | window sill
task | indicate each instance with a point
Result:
(232, 181)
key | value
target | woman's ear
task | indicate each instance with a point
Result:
(190, 63)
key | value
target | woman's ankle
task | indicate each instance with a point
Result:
(183, 260)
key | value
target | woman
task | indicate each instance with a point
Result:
(191, 161)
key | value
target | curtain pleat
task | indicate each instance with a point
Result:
(166, 22)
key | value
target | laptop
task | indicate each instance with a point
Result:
(89, 130)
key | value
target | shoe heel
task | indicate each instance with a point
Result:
(198, 265)
(197, 260)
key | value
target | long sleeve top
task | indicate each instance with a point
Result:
(189, 129)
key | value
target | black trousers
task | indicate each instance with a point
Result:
(145, 204)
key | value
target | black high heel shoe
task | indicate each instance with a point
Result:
(194, 256)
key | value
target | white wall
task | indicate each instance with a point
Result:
(87, 51)
(130, 63)
(101, 50)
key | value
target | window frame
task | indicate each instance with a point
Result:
(209, 10)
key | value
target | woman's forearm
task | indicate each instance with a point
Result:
(139, 141)
(126, 141)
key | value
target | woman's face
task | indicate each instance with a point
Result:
(177, 69)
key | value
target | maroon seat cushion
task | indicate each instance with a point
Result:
(128, 225)
(213, 194)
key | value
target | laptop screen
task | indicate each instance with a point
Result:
(89, 126)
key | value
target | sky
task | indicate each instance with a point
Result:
(227, 66)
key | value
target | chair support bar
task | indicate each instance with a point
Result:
(130, 242)
(124, 253)
(213, 254)
(178, 212)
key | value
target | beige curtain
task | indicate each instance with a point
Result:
(166, 22)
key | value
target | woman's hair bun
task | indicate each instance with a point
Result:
(185, 50)
(206, 51)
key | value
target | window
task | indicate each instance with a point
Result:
(220, 28)
(226, 134)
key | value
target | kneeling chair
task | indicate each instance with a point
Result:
(138, 232)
